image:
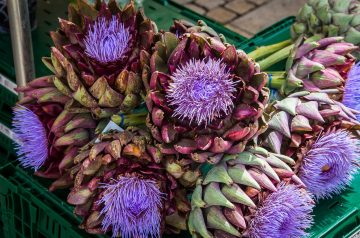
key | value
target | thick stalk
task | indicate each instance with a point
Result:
(276, 79)
(264, 51)
(129, 119)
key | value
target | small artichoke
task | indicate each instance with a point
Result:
(47, 131)
(226, 201)
(96, 56)
(120, 184)
(204, 97)
(330, 18)
(317, 65)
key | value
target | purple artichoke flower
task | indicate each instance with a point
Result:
(32, 136)
(202, 90)
(132, 207)
(329, 165)
(284, 213)
(107, 41)
(352, 89)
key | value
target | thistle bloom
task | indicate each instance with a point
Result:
(284, 213)
(352, 89)
(329, 164)
(202, 90)
(107, 41)
(32, 135)
(131, 207)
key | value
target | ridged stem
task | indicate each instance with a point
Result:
(267, 50)
(130, 119)
(276, 79)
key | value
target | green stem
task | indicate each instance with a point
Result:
(276, 79)
(282, 54)
(264, 51)
(275, 58)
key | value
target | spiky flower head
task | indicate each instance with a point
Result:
(352, 89)
(107, 40)
(29, 130)
(131, 207)
(329, 164)
(201, 91)
(284, 213)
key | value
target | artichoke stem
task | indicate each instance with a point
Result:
(126, 120)
(276, 79)
(264, 51)
(275, 58)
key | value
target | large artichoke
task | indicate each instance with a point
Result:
(226, 202)
(297, 125)
(205, 98)
(330, 18)
(317, 65)
(96, 56)
(120, 184)
(48, 132)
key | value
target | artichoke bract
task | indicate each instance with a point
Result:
(317, 65)
(297, 125)
(204, 97)
(120, 185)
(227, 200)
(96, 56)
(330, 18)
(48, 133)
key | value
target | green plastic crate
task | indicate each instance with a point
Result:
(28, 210)
(8, 98)
(7, 153)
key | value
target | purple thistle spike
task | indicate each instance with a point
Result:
(32, 150)
(132, 207)
(201, 91)
(107, 41)
(329, 165)
(352, 89)
(284, 213)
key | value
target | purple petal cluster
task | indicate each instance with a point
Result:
(285, 213)
(131, 207)
(31, 134)
(352, 89)
(107, 41)
(329, 165)
(201, 91)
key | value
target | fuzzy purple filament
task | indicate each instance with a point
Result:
(329, 165)
(107, 41)
(201, 91)
(352, 89)
(131, 207)
(32, 150)
(284, 213)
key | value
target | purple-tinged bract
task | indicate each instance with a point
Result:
(352, 89)
(329, 164)
(107, 41)
(132, 207)
(202, 90)
(284, 213)
(32, 149)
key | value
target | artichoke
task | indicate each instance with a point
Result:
(204, 97)
(233, 191)
(297, 128)
(120, 184)
(330, 18)
(96, 56)
(47, 131)
(182, 26)
(317, 65)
